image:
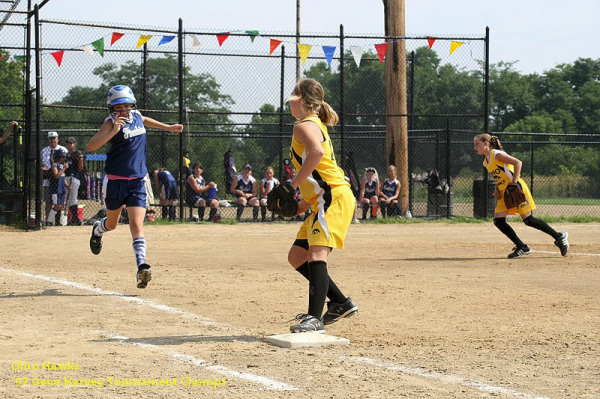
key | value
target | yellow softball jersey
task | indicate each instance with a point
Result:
(503, 174)
(327, 172)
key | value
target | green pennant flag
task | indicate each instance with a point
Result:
(253, 34)
(19, 57)
(99, 46)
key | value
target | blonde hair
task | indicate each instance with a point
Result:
(493, 140)
(313, 100)
(393, 167)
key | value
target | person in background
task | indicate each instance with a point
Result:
(198, 194)
(369, 193)
(245, 190)
(73, 178)
(266, 186)
(47, 161)
(57, 186)
(9, 129)
(389, 194)
(166, 184)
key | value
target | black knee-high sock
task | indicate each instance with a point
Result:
(171, 212)
(263, 211)
(333, 292)
(240, 210)
(318, 282)
(212, 213)
(508, 231)
(383, 207)
(201, 211)
(397, 209)
(365, 211)
(255, 213)
(165, 212)
(542, 226)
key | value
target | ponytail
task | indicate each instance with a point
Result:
(327, 115)
(493, 140)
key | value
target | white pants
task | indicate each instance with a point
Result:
(72, 193)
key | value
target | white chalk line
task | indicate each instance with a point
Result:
(448, 378)
(570, 253)
(268, 383)
(207, 321)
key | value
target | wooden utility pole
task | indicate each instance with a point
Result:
(395, 95)
(297, 39)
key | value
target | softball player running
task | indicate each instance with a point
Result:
(324, 189)
(505, 170)
(126, 170)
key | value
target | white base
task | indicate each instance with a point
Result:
(298, 340)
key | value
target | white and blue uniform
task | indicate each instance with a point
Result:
(169, 185)
(265, 183)
(389, 187)
(245, 186)
(370, 188)
(126, 164)
(57, 186)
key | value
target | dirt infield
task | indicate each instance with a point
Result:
(443, 314)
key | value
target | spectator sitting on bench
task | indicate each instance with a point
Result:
(167, 191)
(244, 188)
(198, 194)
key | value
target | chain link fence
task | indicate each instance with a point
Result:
(233, 98)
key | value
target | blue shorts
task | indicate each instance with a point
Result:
(125, 192)
(170, 190)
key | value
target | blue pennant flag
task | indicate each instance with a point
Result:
(328, 51)
(166, 39)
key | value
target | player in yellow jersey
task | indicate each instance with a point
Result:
(506, 169)
(323, 189)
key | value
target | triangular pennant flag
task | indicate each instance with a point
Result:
(454, 46)
(430, 40)
(381, 50)
(58, 56)
(99, 46)
(274, 44)
(116, 36)
(19, 57)
(222, 37)
(357, 52)
(329, 51)
(304, 49)
(252, 34)
(143, 40)
(195, 43)
(165, 39)
(88, 49)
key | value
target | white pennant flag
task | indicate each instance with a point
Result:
(195, 43)
(88, 49)
(357, 52)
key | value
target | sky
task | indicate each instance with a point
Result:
(537, 34)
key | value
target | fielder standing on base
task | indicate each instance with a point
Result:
(324, 189)
(126, 169)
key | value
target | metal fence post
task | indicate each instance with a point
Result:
(532, 166)
(342, 111)
(448, 195)
(281, 104)
(38, 128)
(486, 110)
(181, 108)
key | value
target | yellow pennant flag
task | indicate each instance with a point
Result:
(304, 49)
(143, 40)
(454, 46)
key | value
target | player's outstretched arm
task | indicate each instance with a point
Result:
(149, 122)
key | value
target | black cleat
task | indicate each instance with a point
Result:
(519, 252)
(308, 323)
(95, 242)
(143, 275)
(562, 243)
(337, 311)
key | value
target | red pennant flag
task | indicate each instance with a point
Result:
(58, 56)
(222, 37)
(430, 40)
(116, 36)
(274, 45)
(381, 50)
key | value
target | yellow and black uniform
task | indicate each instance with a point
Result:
(328, 193)
(503, 174)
